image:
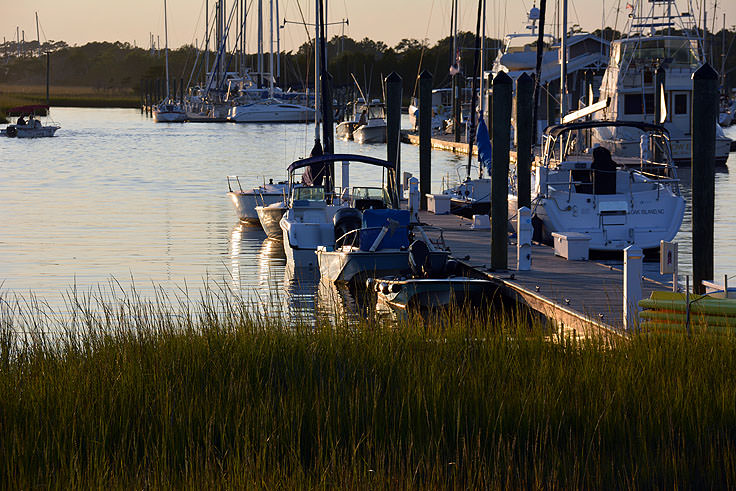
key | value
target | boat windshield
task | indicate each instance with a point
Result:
(367, 197)
(674, 51)
(374, 111)
(632, 147)
(308, 193)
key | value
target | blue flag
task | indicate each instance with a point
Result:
(484, 145)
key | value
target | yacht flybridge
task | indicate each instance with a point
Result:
(615, 200)
(659, 35)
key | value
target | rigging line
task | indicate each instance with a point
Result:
(304, 22)
(424, 48)
(196, 48)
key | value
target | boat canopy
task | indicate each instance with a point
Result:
(27, 110)
(339, 157)
(555, 130)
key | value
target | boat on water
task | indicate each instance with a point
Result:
(431, 283)
(613, 199)
(662, 37)
(270, 110)
(169, 112)
(309, 220)
(31, 127)
(246, 201)
(270, 216)
(367, 124)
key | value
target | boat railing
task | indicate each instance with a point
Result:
(232, 179)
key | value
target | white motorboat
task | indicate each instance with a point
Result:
(666, 38)
(270, 217)
(271, 110)
(31, 128)
(245, 201)
(169, 112)
(308, 223)
(367, 125)
(616, 202)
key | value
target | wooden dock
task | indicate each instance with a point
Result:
(584, 296)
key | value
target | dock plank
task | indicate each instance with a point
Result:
(579, 295)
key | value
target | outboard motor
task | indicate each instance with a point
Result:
(346, 220)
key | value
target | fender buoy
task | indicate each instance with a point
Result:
(11, 131)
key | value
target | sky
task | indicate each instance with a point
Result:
(82, 21)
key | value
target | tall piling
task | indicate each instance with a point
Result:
(393, 126)
(502, 101)
(524, 128)
(703, 150)
(425, 137)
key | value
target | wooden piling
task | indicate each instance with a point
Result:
(524, 109)
(502, 100)
(703, 148)
(393, 125)
(425, 137)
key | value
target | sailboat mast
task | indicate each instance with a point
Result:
(166, 49)
(316, 71)
(474, 75)
(563, 63)
(278, 43)
(482, 52)
(206, 36)
(260, 43)
(270, 51)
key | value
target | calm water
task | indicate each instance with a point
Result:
(117, 198)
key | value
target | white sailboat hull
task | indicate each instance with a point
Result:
(271, 112)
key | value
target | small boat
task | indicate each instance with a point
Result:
(245, 201)
(269, 216)
(308, 222)
(370, 244)
(169, 112)
(31, 128)
(368, 123)
(431, 284)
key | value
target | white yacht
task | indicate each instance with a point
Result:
(169, 112)
(271, 110)
(246, 201)
(662, 36)
(615, 200)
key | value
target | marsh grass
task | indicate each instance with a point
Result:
(210, 392)
(63, 96)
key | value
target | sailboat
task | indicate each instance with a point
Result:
(272, 109)
(168, 111)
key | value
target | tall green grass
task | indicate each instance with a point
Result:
(127, 392)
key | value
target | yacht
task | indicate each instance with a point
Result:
(613, 198)
(169, 112)
(661, 37)
(270, 110)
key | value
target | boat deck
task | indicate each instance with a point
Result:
(585, 296)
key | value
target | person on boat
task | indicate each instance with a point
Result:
(604, 171)
(363, 118)
(21, 121)
(314, 173)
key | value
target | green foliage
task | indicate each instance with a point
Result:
(129, 393)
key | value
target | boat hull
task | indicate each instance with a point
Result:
(245, 203)
(355, 265)
(433, 293)
(271, 113)
(370, 134)
(21, 132)
(169, 116)
(269, 217)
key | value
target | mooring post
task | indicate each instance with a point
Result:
(459, 84)
(181, 90)
(425, 137)
(393, 127)
(524, 232)
(703, 147)
(524, 116)
(633, 260)
(659, 81)
(502, 100)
